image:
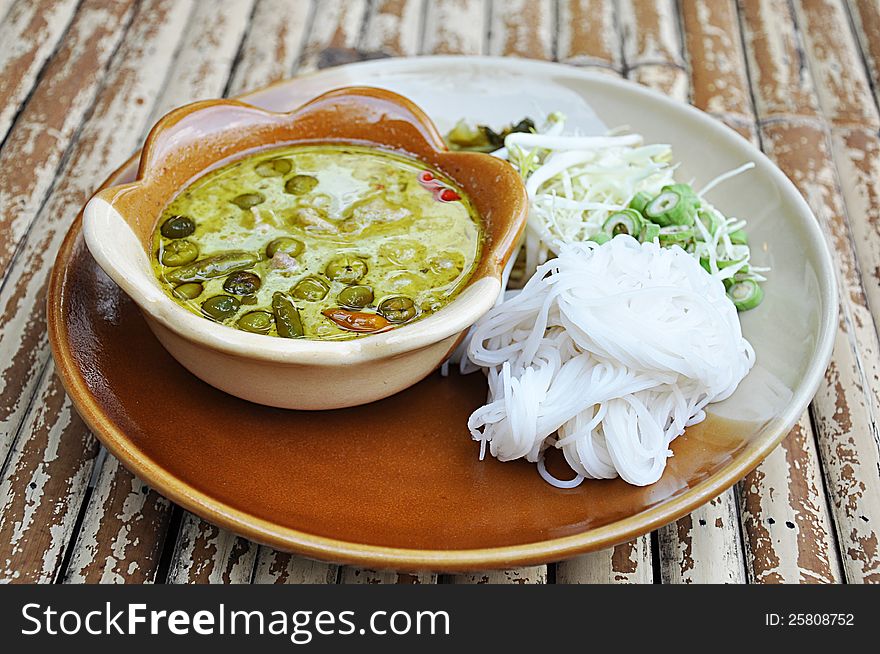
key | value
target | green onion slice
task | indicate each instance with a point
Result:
(708, 220)
(639, 201)
(675, 205)
(650, 231)
(676, 235)
(627, 221)
(746, 294)
(600, 238)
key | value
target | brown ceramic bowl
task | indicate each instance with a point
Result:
(119, 221)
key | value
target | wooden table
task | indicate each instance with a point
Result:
(82, 80)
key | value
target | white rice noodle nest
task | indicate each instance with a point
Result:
(608, 353)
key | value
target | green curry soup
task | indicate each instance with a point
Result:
(324, 242)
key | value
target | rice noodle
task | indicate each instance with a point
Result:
(607, 353)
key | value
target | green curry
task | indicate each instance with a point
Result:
(324, 242)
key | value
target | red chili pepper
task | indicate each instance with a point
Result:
(425, 176)
(448, 195)
(357, 321)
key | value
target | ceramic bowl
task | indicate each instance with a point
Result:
(119, 221)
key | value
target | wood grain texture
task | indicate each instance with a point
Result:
(787, 527)
(43, 485)
(588, 35)
(796, 136)
(29, 33)
(334, 35)
(204, 60)
(55, 108)
(865, 16)
(206, 554)
(713, 46)
(273, 44)
(455, 27)
(652, 47)
(627, 563)
(522, 28)
(274, 567)
(43, 132)
(704, 547)
(394, 27)
(353, 575)
(536, 574)
(123, 531)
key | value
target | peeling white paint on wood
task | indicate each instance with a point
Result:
(627, 563)
(536, 574)
(206, 554)
(455, 27)
(337, 27)
(394, 27)
(273, 44)
(29, 33)
(354, 575)
(274, 567)
(522, 28)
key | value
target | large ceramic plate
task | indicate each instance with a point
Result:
(398, 483)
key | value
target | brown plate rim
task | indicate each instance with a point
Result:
(344, 552)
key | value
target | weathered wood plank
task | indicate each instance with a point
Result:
(123, 532)
(273, 43)
(865, 16)
(394, 27)
(522, 28)
(719, 82)
(786, 525)
(202, 67)
(455, 27)
(588, 35)
(779, 79)
(628, 563)
(844, 410)
(29, 33)
(55, 108)
(532, 575)
(43, 486)
(206, 554)
(34, 148)
(652, 48)
(841, 83)
(704, 547)
(274, 567)
(334, 34)
(353, 575)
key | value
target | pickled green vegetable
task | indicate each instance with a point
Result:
(311, 289)
(218, 265)
(178, 227)
(288, 322)
(356, 297)
(179, 253)
(258, 322)
(221, 307)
